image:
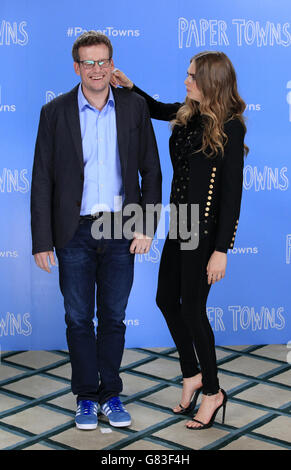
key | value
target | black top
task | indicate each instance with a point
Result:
(183, 142)
(215, 183)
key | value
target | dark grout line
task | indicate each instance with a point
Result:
(35, 438)
(270, 440)
(10, 353)
(30, 402)
(248, 431)
(30, 372)
(263, 378)
(49, 444)
(149, 351)
(143, 433)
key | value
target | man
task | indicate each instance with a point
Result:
(91, 145)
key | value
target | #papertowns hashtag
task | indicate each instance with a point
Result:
(70, 32)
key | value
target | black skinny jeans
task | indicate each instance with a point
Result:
(181, 296)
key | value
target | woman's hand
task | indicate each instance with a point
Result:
(119, 78)
(141, 243)
(216, 267)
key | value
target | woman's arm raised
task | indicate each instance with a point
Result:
(157, 109)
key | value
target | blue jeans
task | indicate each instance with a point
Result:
(85, 263)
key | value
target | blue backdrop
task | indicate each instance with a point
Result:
(153, 42)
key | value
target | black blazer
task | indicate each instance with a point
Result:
(214, 183)
(58, 169)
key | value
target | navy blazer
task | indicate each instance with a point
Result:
(58, 169)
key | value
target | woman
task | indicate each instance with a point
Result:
(207, 152)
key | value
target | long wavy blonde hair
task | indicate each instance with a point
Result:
(221, 102)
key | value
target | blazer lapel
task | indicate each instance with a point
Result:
(122, 127)
(72, 111)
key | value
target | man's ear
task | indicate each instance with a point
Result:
(77, 68)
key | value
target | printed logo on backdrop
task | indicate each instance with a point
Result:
(14, 181)
(248, 318)
(6, 108)
(244, 250)
(266, 179)
(288, 248)
(4, 254)
(13, 33)
(51, 95)
(213, 32)
(288, 98)
(15, 324)
(153, 256)
(253, 107)
(127, 322)
(111, 31)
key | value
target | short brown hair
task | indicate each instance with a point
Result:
(90, 38)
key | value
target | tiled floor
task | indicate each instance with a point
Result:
(37, 408)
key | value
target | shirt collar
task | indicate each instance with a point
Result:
(83, 102)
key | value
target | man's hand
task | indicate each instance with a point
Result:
(216, 267)
(41, 260)
(141, 243)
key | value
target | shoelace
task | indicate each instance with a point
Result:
(115, 404)
(87, 407)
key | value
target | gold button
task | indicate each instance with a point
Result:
(233, 239)
(214, 169)
(210, 192)
(231, 245)
(212, 180)
(211, 186)
(206, 214)
(208, 203)
(209, 197)
(213, 175)
(207, 208)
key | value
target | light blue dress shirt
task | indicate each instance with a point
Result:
(102, 170)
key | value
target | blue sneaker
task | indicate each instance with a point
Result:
(86, 415)
(116, 413)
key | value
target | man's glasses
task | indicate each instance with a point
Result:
(192, 76)
(89, 64)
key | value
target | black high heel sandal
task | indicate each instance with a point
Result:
(191, 407)
(210, 423)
